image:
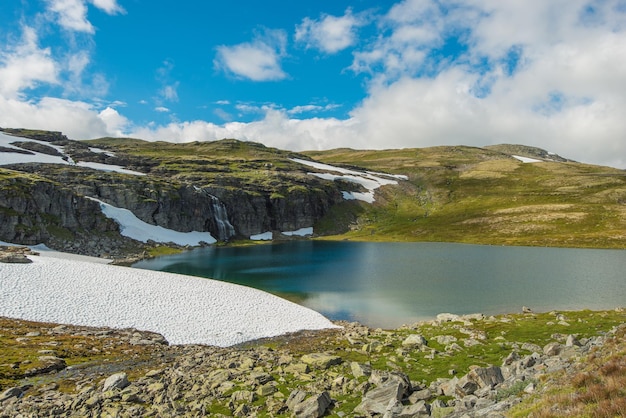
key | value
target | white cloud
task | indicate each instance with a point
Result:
(170, 92)
(161, 109)
(259, 60)
(115, 123)
(71, 14)
(329, 34)
(169, 89)
(311, 108)
(26, 65)
(551, 75)
(108, 6)
(77, 120)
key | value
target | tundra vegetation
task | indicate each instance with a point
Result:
(452, 193)
(539, 364)
(572, 362)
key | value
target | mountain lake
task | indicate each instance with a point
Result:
(390, 284)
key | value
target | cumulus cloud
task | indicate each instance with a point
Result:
(259, 60)
(72, 14)
(26, 65)
(115, 123)
(329, 34)
(78, 120)
(547, 75)
(276, 129)
(474, 72)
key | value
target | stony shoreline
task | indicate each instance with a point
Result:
(354, 371)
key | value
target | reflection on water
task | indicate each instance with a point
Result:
(388, 284)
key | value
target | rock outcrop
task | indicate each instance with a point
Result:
(34, 210)
(154, 379)
(47, 203)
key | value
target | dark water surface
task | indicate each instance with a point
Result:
(389, 284)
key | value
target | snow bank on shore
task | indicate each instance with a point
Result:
(135, 228)
(184, 309)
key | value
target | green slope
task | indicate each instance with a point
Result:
(476, 195)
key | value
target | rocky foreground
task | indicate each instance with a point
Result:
(454, 366)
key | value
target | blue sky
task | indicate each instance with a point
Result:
(325, 74)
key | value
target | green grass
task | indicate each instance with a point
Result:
(473, 195)
(454, 194)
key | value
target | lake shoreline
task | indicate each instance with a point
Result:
(388, 284)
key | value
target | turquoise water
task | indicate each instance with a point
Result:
(389, 284)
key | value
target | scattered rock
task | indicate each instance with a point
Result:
(116, 381)
(48, 364)
(313, 407)
(414, 340)
(552, 349)
(321, 360)
(251, 381)
(572, 341)
(486, 376)
(15, 255)
(11, 393)
(359, 370)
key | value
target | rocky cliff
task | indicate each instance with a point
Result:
(35, 210)
(233, 192)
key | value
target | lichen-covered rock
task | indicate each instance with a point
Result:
(321, 360)
(116, 381)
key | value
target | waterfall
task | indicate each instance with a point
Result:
(224, 228)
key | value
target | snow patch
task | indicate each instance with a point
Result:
(369, 180)
(108, 167)
(265, 236)
(33, 157)
(38, 157)
(135, 228)
(526, 159)
(184, 309)
(302, 232)
(102, 151)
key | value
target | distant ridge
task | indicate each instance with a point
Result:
(527, 151)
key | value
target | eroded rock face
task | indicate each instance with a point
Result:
(32, 208)
(225, 211)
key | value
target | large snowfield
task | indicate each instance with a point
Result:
(69, 289)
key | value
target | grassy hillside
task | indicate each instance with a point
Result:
(225, 162)
(453, 193)
(477, 195)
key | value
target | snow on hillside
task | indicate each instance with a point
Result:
(38, 157)
(184, 309)
(269, 235)
(526, 159)
(135, 228)
(369, 180)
